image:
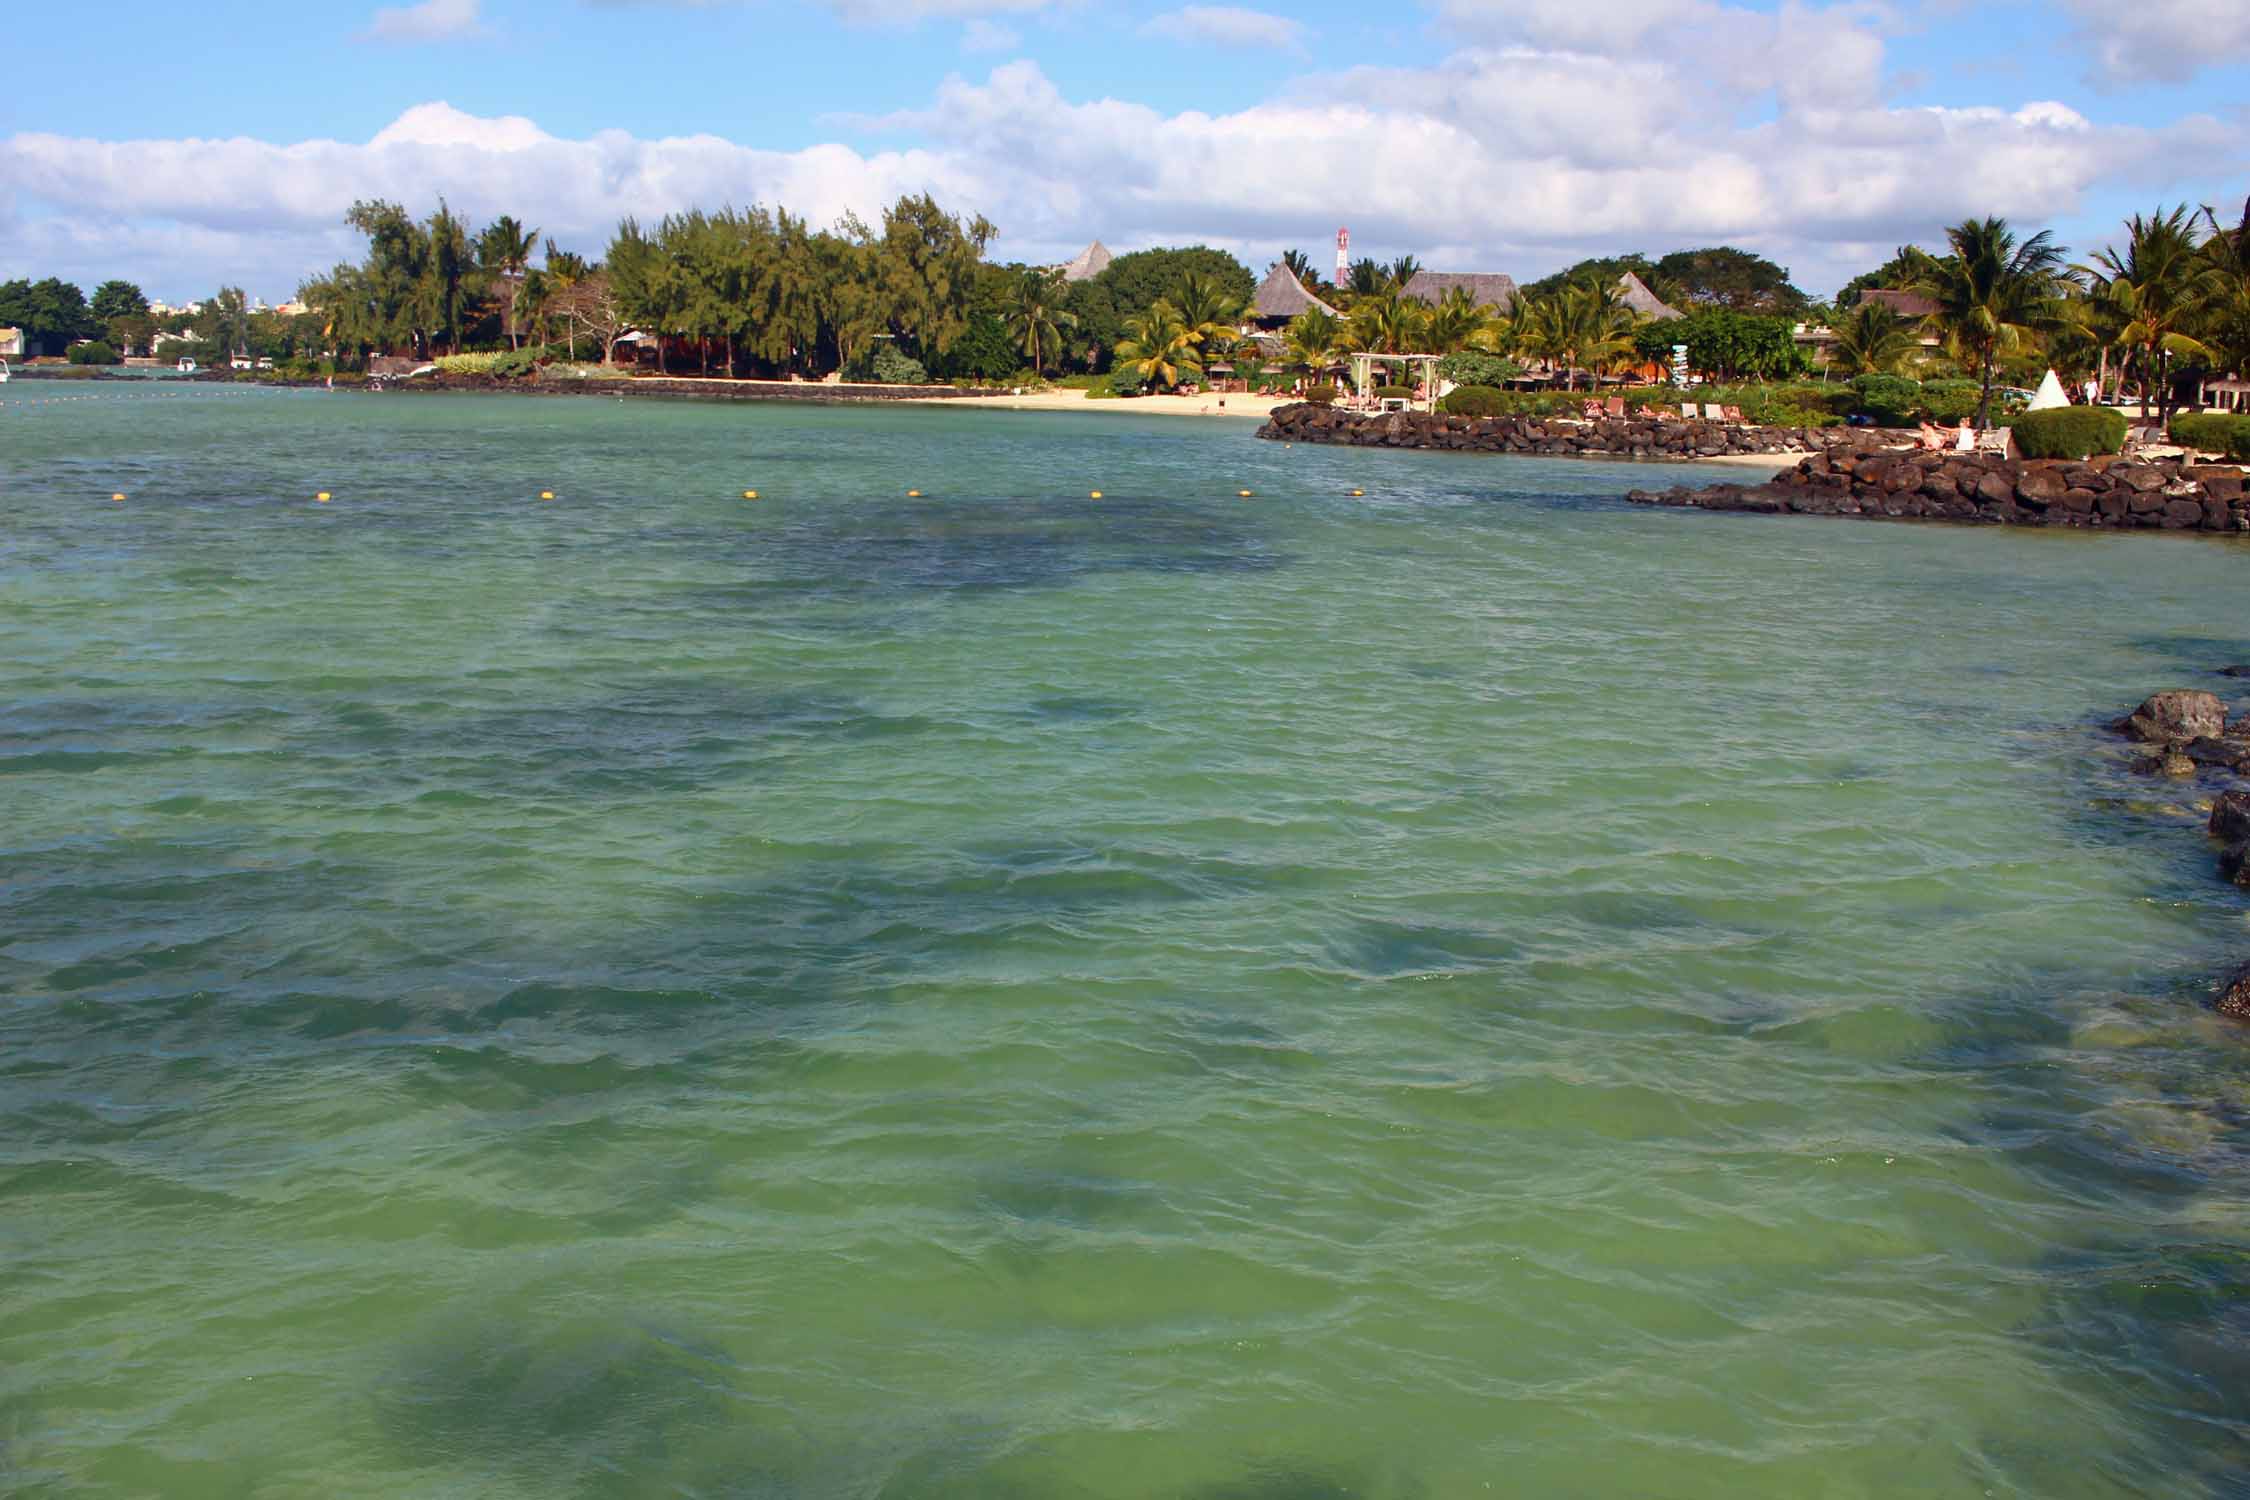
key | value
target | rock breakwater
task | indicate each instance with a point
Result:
(1986, 489)
(1614, 437)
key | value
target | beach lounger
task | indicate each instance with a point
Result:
(1712, 412)
(1617, 406)
(1731, 413)
(1687, 410)
(1999, 440)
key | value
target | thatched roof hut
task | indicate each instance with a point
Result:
(1494, 292)
(1905, 304)
(1634, 293)
(1091, 262)
(1281, 296)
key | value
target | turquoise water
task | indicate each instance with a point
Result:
(1477, 989)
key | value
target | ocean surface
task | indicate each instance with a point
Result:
(1470, 989)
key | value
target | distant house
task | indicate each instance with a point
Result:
(1091, 262)
(1281, 297)
(11, 343)
(1494, 292)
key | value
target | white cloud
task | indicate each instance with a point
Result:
(2161, 41)
(430, 21)
(1516, 152)
(981, 35)
(1229, 26)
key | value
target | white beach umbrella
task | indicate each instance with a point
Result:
(2050, 394)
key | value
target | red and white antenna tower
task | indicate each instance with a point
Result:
(1343, 256)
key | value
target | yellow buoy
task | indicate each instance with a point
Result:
(1245, 494)
(1096, 495)
(119, 496)
(913, 494)
(322, 497)
(1357, 493)
(749, 494)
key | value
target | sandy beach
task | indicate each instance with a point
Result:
(1144, 406)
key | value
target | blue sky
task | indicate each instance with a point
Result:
(1479, 135)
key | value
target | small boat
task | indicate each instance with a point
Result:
(186, 365)
(3, 372)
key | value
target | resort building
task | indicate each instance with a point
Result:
(1634, 293)
(1495, 293)
(1281, 297)
(11, 343)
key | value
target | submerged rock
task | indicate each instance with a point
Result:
(2177, 715)
(2164, 763)
(2230, 818)
(2234, 996)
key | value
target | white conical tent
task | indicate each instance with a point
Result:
(2050, 394)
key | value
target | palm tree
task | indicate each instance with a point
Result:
(2227, 315)
(1036, 318)
(1597, 329)
(1390, 324)
(1315, 339)
(1159, 346)
(1993, 295)
(1205, 306)
(1300, 265)
(2158, 286)
(1874, 340)
(1366, 278)
(1457, 323)
(1403, 270)
(504, 250)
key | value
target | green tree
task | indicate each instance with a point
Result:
(2158, 286)
(50, 312)
(1872, 340)
(504, 252)
(1036, 318)
(1723, 276)
(1160, 347)
(1137, 281)
(1316, 339)
(1300, 266)
(926, 265)
(117, 299)
(1993, 294)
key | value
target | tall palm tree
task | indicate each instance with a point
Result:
(1160, 346)
(1873, 340)
(1207, 307)
(2227, 313)
(1598, 328)
(1036, 318)
(1390, 324)
(1300, 265)
(1316, 339)
(504, 251)
(1365, 277)
(1993, 295)
(2158, 286)
(1457, 323)
(1402, 271)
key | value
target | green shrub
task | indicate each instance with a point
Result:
(1395, 392)
(2069, 432)
(465, 364)
(514, 364)
(96, 353)
(1890, 400)
(1471, 368)
(1475, 401)
(884, 365)
(1124, 382)
(1948, 401)
(2214, 432)
(1322, 395)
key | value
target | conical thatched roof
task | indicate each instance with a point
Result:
(1634, 293)
(1091, 262)
(1493, 291)
(1282, 296)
